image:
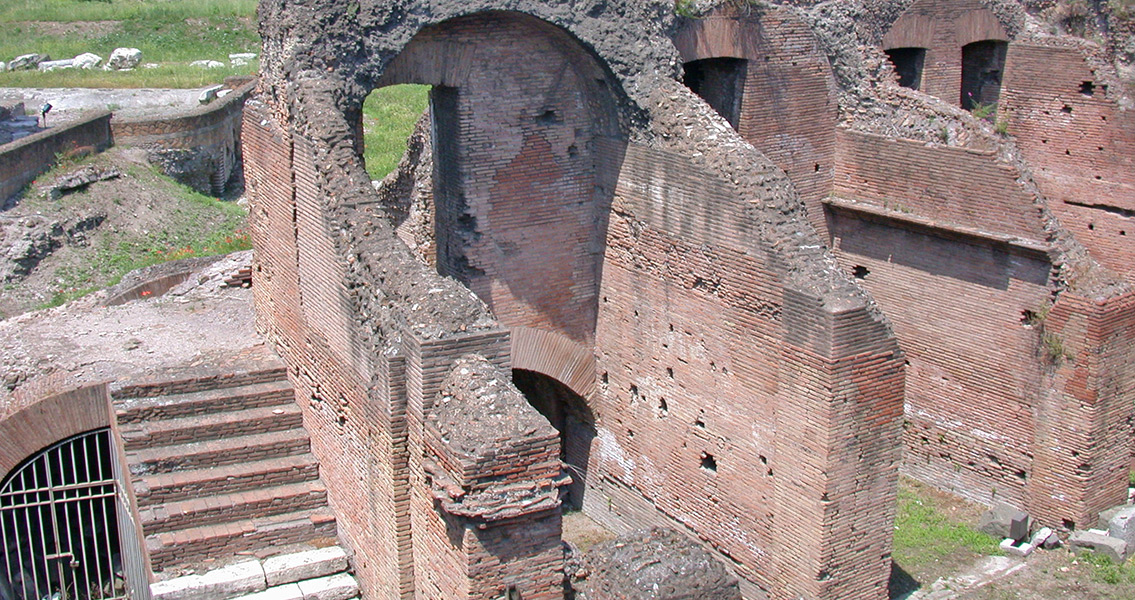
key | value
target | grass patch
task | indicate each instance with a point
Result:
(1105, 571)
(924, 534)
(170, 31)
(389, 115)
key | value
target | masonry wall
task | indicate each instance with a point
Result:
(517, 115)
(25, 159)
(1080, 145)
(943, 28)
(788, 104)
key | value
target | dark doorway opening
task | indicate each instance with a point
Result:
(568, 412)
(720, 82)
(983, 64)
(59, 525)
(908, 64)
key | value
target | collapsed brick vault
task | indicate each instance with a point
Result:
(658, 276)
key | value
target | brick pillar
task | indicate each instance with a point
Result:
(839, 421)
(1083, 429)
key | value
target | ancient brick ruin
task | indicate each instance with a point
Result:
(711, 273)
(650, 260)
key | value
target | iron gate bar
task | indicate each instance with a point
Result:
(63, 510)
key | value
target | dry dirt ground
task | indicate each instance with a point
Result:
(55, 248)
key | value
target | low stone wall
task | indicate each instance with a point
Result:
(23, 160)
(200, 148)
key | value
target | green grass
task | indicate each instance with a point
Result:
(389, 115)
(924, 535)
(1105, 571)
(169, 31)
(198, 225)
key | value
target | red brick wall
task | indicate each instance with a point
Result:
(1082, 460)
(949, 185)
(1081, 147)
(24, 159)
(708, 424)
(788, 105)
(521, 203)
(943, 27)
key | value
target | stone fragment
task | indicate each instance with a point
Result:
(86, 60)
(27, 61)
(207, 64)
(52, 65)
(223, 93)
(336, 587)
(1041, 538)
(81, 178)
(1113, 548)
(1122, 525)
(122, 59)
(1004, 521)
(209, 94)
(1105, 517)
(243, 56)
(304, 565)
(3, 66)
(1011, 547)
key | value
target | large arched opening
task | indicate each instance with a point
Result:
(59, 524)
(983, 66)
(525, 148)
(569, 413)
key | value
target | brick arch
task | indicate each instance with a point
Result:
(51, 418)
(911, 31)
(978, 26)
(556, 356)
(523, 180)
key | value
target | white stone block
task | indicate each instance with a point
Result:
(290, 591)
(336, 587)
(304, 565)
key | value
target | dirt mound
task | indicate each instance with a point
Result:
(59, 242)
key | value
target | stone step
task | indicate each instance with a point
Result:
(189, 381)
(204, 402)
(182, 485)
(341, 586)
(322, 573)
(260, 535)
(211, 509)
(213, 453)
(213, 426)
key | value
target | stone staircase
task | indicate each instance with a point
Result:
(221, 468)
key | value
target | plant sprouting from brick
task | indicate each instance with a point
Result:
(1053, 349)
(686, 8)
(984, 110)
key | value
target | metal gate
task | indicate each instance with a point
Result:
(58, 526)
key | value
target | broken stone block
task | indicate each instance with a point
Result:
(209, 94)
(1005, 521)
(52, 65)
(1041, 538)
(1105, 516)
(1113, 548)
(27, 61)
(336, 587)
(122, 59)
(304, 565)
(1122, 525)
(226, 582)
(86, 60)
(207, 64)
(1012, 548)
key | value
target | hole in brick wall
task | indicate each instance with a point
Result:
(1091, 226)
(982, 65)
(636, 313)
(1029, 318)
(724, 371)
(548, 117)
(700, 424)
(860, 272)
(1044, 141)
(671, 327)
(1021, 474)
(708, 462)
(1066, 109)
(630, 434)
(908, 64)
(1067, 153)
(1098, 177)
(342, 420)
(663, 407)
(573, 151)
(1087, 88)
(570, 414)
(634, 392)
(513, 593)
(1068, 524)
(720, 82)
(604, 378)
(670, 372)
(1122, 232)
(764, 460)
(816, 168)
